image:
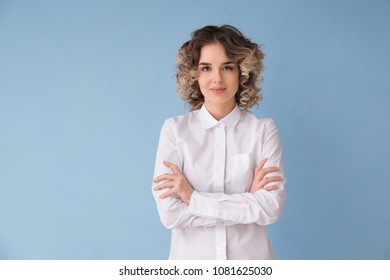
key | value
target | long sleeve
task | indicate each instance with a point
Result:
(263, 207)
(174, 213)
(218, 157)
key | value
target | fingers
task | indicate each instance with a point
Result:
(168, 176)
(260, 171)
(260, 181)
(271, 188)
(262, 187)
(160, 178)
(263, 172)
(263, 183)
(270, 169)
(260, 166)
(168, 184)
(173, 182)
(270, 179)
(168, 194)
(174, 167)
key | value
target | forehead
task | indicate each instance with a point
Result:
(213, 52)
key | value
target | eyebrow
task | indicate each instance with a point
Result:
(225, 63)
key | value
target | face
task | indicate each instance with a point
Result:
(217, 77)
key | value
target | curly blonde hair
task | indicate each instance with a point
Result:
(245, 53)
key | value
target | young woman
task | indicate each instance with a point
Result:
(218, 176)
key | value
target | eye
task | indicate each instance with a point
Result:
(228, 68)
(206, 68)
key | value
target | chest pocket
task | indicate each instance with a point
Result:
(241, 170)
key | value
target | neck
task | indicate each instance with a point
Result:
(219, 111)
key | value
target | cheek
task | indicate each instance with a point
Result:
(235, 80)
(202, 82)
(202, 77)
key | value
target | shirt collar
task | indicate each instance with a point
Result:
(209, 121)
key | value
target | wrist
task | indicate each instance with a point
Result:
(187, 197)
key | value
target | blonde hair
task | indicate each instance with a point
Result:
(245, 53)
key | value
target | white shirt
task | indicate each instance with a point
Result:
(222, 220)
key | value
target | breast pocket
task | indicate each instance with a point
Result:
(242, 168)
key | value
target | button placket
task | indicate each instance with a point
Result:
(219, 180)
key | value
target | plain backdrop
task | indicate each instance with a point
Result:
(86, 85)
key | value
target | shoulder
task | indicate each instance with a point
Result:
(263, 128)
(181, 121)
(249, 118)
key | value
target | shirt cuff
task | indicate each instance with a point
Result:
(215, 205)
(202, 206)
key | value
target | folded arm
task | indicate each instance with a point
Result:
(181, 206)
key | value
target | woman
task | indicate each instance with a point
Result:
(218, 176)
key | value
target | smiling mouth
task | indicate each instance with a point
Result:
(218, 89)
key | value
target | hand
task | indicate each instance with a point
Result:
(259, 180)
(177, 183)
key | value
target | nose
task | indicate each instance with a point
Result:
(217, 77)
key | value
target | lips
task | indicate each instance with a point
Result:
(218, 89)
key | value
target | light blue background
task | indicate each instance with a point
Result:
(86, 85)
